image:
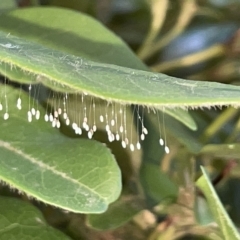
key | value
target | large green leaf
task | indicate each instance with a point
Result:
(222, 150)
(70, 32)
(156, 184)
(75, 174)
(221, 217)
(68, 73)
(7, 5)
(85, 38)
(20, 220)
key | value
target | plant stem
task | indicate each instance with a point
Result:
(158, 12)
(191, 59)
(188, 10)
(217, 124)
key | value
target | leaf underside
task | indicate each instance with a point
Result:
(72, 74)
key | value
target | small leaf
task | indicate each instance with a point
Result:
(222, 150)
(118, 213)
(86, 38)
(78, 175)
(178, 130)
(20, 220)
(219, 213)
(202, 211)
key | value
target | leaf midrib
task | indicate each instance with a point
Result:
(11, 148)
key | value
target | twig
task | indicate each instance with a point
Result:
(158, 12)
(189, 8)
(189, 60)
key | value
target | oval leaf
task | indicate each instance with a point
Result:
(20, 220)
(78, 175)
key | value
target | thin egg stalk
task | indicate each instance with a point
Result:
(88, 114)
(106, 122)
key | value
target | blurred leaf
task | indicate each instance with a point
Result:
(127, 6)
(78, 175)
(152, 152)
(21, 221)
(8, 5)
(182, 116)
(202, 211)
(229, 193)
(221, 217)
(80, 5)
(223, 3)
(156, 184)
(183, 135)
(222, 150)
(177, 129)
(118, 213)
(54, 29)
(206, 34)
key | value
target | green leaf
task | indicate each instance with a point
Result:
(219, 213)
(78, 175)
(70, 32)
(73, 74)
(118, 213)
(85, 38)
(7, 5)
(21, 221)
(156, 184)
(222, 150)
(202, 211)
(182, 116)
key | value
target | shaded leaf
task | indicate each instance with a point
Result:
(156, 184)
(86, 38)
(202, 211)
(7, 5)
(219, 213)
(222, 150)
(118, 213)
